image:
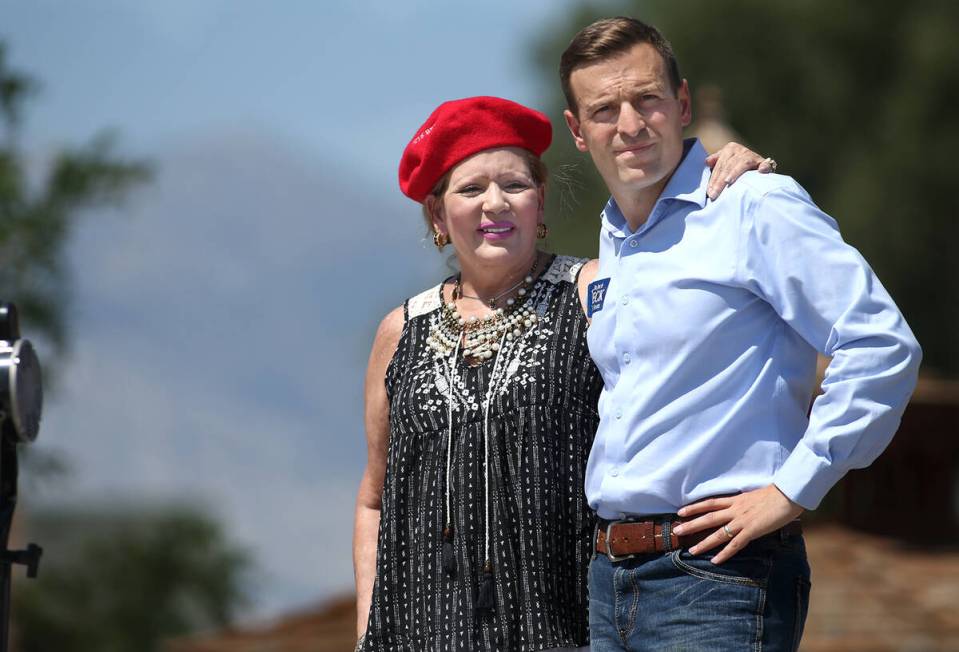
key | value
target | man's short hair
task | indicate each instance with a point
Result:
(610, 37)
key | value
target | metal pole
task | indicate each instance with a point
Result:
(8, 502)
(29, 557)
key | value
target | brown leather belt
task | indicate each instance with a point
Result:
(620, 540)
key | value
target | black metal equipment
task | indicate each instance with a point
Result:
(21, 403)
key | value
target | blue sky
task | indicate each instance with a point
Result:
(222, 318)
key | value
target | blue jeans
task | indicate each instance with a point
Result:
(677, 601)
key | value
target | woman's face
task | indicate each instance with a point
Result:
(490, 209)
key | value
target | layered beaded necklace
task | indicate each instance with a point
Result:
(480, 337)
(478, 340)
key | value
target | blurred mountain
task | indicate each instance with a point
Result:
(222, 330)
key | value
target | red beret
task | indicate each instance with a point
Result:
(460, 128)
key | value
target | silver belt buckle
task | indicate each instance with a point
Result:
(609, 551)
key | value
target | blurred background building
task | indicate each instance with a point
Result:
(199, 216)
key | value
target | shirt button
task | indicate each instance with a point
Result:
(625, 300)
(633, 244)
(626, 358)
(619, 414)
(614, 471)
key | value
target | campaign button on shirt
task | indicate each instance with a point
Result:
(597, 295)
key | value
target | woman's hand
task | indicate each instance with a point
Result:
(730, 162)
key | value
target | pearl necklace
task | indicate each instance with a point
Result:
(479, 337)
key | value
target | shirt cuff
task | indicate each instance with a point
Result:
(805, 478)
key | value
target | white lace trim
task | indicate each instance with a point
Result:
(425, 302)
(564, 268)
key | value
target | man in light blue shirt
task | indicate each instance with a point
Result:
(706, 320)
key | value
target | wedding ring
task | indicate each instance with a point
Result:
(727, 531)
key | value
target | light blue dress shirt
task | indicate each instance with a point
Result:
(705, 327)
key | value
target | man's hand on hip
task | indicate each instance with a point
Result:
(737, 519)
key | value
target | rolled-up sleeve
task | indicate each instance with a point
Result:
(795, 259)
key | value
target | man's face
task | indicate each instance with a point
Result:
(629, 119)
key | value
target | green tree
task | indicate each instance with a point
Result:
(35, 223)
(110, 580)
(121, 580)
(857, 102)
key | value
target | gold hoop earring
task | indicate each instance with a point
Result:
(440, 239)
(541, 231)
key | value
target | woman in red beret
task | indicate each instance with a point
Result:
(472, 529)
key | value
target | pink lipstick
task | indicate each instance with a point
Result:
(496, 230)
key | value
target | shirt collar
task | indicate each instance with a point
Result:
(688, 184)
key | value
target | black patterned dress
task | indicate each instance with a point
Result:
(542, 420)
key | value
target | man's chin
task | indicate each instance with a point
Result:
(639, 178)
